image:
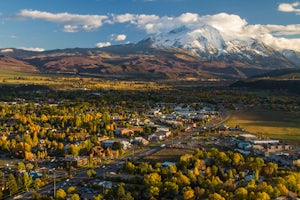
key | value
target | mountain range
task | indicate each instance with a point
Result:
(179, 54)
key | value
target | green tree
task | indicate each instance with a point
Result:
(256, 165)
(129, 167)
(27, 180)
(153, 179)
(271, 169)
(12, 184)
(21, 166)
(262, 196)
(91, 173)
(98, 197)
(72, 190)
(153, 191)
(170, 188)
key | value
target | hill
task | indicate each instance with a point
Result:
(149, 59)
(286, 79)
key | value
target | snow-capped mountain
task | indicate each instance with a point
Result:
(209, 43)
(292, 55)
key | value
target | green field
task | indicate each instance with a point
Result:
(273, 124)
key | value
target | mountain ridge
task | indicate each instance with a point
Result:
(179, 54)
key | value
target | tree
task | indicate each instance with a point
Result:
(153, 191)
(72, 190)
(188, 194)
(37, 183)
(270, 169)
(12, 184)
(60, 194)
(120, 190)
(263, 196)
(170, 188)
(27, 180)
(75, 197)
(215, 196)
(256, 164)
(181, 180)
(241, 193)
(153, 179)
(282, 188)
(91, 173)
(129, 167)
(21, 166)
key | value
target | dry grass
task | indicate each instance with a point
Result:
(168, 154)
(65, 81)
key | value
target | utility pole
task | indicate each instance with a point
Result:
(172, 138)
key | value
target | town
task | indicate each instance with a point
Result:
(75, 149)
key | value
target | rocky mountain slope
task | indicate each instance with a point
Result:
(179, 54)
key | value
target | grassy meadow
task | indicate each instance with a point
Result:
(272, 124)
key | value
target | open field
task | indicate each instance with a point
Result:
(168, 154)
(273, 124)
(69, 81)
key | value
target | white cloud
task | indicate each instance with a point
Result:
(120, 37)
(6, 50)
(37, 49)
(72, 22)
(103, 44)
(229, 25)
(286, 7)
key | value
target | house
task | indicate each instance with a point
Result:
(167, 164)
(75, 161)
(244, 145)
(124, 132)
(156, 137)
(264, 141)
(127, 131)
(98, 150)
(140, 140)
(102, 138)
(108, 144)
(35, 174)
(223, 127)
(247, 137)
(125, 144)
(285, 158)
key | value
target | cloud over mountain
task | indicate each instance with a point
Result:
(103, 44)
(37, 49)
(230, 26)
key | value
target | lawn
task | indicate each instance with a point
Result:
(273, 124)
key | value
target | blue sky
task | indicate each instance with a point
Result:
(52, 24)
